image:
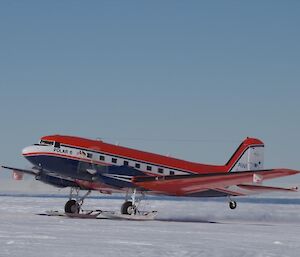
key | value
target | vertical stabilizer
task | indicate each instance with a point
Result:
(248, 156)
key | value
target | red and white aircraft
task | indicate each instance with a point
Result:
(84, 164)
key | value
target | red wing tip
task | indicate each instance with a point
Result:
(295, 171)
(288, 170)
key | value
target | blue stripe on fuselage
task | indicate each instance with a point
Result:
(79, 170)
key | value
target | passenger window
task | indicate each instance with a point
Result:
(149, 168)
(137, 165)
(56, 144)
(102, 158)
(172, 172)
(160, 170)
(113, 160)
(89, 155)
(126, 163)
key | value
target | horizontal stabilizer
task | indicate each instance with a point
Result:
(187, 184)
(264, 189)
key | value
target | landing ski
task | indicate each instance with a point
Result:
(142, 216)
(99, 214)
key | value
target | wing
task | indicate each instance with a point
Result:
(30, 172)
(47, 178)
(184, 185)
(62, 182)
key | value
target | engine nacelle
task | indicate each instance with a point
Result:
(55, 181)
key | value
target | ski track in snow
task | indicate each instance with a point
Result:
(182, 229)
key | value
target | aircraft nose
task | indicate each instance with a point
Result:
(26, 150)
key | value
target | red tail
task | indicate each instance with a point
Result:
(248, 156)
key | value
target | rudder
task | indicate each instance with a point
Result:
(248, 156)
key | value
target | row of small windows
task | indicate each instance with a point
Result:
(126, 163)
(113, 160)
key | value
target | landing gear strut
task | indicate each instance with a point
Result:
(74, 205)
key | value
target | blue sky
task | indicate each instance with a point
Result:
(185, 78)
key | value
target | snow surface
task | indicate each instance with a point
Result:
(182, 228)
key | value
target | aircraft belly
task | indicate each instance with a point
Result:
(208, 193)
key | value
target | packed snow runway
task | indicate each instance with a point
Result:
(182, 228)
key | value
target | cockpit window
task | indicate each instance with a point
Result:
(56, 144)
(45, 142)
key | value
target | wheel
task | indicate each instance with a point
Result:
(127, 208)
(72, 206)
(232, 205)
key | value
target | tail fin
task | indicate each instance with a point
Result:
(248, 156)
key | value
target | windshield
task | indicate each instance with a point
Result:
(45, 142)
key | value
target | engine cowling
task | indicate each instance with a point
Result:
(55, 181)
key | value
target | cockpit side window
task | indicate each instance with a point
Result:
(45, 142)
